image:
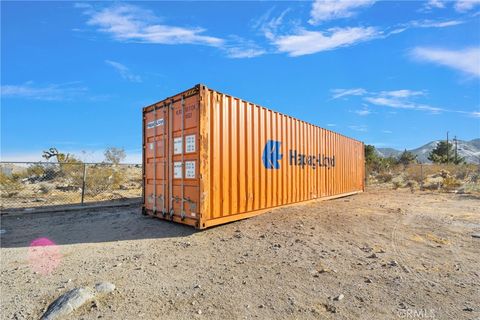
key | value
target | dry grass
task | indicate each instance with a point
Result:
(449, 178)
(54, 184)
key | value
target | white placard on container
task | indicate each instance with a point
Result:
(190, 169)
(177, 145)
(190, 143)
(177, 170)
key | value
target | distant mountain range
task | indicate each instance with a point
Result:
(470, 150)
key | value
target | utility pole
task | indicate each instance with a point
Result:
(448, 151)
(455, 139)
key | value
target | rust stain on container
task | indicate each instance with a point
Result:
(210, 158)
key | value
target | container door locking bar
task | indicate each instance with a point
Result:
(164, 210)
(170, 159)
(182, 213)
(155, 160)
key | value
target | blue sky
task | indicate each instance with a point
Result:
(393, 74)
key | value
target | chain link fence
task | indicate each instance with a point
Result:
(462, 178)
(37, 184)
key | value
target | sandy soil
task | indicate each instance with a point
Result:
(391, 254)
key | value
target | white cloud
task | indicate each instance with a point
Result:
(331, 125)
(239, 52)
(465, 60)
(323, 10)
(435, 23)
(123, 71)
(339, 93)
(289, 37)
(396, 99)
(359, 128)
(387, 131)
(404, 93)
(363, 112)
(307, 42)
(399, 28)
(238, 47)
(132, 23)
(397, 103)
(268, 25)
(435, 4)
(466, 5)
(50, 92)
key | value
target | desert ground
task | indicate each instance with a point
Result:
(382, 254)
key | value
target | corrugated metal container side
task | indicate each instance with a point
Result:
(220, 159)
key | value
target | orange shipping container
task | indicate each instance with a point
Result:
(210, 158)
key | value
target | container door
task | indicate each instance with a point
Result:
(184, 179)
(156, 157)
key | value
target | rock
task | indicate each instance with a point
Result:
(393, 263)
(339, 297)
(104, 287)
(330, 308)
(199, 311)
(372, 256)
(468, 309)
(67, 303)
(476, 235)
(368, 280)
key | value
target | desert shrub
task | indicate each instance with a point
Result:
(10, 185)
(396, 184)
(474, 177)
(415, 173)
(450, 184)
(101, 179)
(72, 171)
(384, 177)
(36, 170)
(412, 184)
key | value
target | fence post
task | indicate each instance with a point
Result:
(421, 176)
(83, 182)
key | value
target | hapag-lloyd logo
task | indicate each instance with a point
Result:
(272, 155)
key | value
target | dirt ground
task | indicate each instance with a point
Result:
(391, 254)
